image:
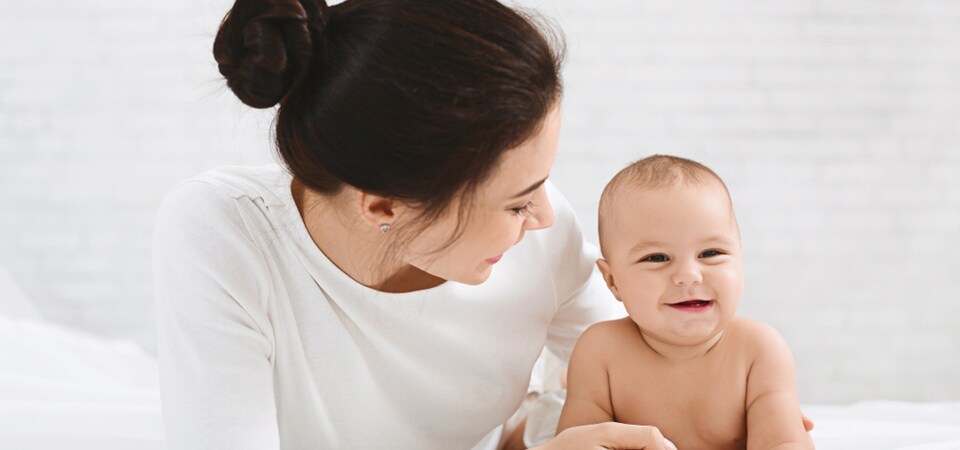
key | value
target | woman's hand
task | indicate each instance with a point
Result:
(608, 436)
(612, 435)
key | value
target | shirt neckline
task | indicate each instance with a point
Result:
(297, 231)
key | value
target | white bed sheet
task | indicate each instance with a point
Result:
(64, 389)
(886, 425)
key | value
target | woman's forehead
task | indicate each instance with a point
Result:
(528, 164)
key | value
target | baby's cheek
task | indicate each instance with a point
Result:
(732, 275)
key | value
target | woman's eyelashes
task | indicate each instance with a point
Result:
(523, 210)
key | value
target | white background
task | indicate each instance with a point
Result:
(836, 125)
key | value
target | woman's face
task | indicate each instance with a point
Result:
(512, 201)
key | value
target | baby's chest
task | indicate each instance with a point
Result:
(694, 409)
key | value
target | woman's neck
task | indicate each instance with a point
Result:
(357, 250)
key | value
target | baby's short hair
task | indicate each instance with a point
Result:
(654, 172)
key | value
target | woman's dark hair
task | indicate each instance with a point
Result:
(409, 99)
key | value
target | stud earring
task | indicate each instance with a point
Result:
(384, 227)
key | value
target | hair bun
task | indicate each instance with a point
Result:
(262, 48)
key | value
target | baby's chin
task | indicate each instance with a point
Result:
(686, 337)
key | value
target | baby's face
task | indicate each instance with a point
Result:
(675, 260)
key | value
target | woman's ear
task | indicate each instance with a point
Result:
(608, 277)
(378, 211)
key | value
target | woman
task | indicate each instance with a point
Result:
(379, 291)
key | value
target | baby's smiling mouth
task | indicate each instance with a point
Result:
(694, 305)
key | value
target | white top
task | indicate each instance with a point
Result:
(264, 343)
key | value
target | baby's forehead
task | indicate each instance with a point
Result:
(628, 194)
(653, 175)
(621, 216)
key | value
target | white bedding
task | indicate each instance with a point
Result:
(63, 389)
(886, 424)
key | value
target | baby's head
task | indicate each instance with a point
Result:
(671, 249)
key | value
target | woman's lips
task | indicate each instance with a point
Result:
(494, 259)
(692, 306)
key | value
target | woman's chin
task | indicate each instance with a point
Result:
(476, 276)
(482, 277)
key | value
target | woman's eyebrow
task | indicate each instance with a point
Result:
(529, 189)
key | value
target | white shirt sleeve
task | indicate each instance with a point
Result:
(215, 340)
(582, 296)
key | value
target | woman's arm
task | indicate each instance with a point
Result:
(216, 378)
(774, 420)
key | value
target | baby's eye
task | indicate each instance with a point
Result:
(711, 253)
(658, 257)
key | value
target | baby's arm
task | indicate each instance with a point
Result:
(588, 393)
(773, 408)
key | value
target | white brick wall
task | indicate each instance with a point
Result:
(836, 125)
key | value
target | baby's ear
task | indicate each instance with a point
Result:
(608, 277)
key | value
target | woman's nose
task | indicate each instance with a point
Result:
(541, 217)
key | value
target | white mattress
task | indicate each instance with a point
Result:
(63, 389)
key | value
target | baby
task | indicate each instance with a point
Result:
(682, 361)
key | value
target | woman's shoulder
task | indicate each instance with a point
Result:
(216, 202)
(222, 183)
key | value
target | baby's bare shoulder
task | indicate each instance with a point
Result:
(756, 337)
(610, 328)
(608, 333)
